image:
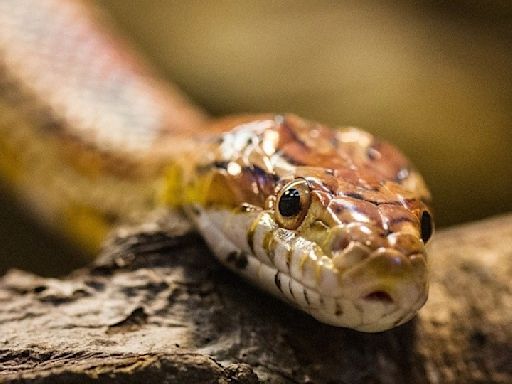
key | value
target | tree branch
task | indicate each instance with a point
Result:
(157, 307)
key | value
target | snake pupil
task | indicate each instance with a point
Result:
(289, 204)
(426, 226)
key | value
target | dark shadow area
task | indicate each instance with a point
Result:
(27, 245)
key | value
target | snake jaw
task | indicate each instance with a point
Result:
(376, 290)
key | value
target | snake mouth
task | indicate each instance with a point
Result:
(383, 275)
(359, 286)
(379, 296)
(388, 287)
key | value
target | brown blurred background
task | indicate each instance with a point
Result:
(433, 77)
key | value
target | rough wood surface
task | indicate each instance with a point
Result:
(157, 308)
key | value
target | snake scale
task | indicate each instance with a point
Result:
(331, 220)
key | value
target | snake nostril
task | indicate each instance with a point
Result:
(380, 296)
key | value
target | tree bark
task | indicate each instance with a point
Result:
(156, 307)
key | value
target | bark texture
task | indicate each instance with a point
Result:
(157, 308)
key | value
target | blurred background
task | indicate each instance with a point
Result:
(433, 77)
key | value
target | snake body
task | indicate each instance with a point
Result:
(333, 221)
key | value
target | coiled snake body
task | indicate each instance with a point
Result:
(333, 221)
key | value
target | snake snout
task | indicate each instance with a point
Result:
(388, 287)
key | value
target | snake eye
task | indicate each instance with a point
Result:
(289, 203)
(426, 225)
(293, 203)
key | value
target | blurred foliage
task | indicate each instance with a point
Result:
(433, 77)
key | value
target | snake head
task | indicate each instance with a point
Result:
(333, 221)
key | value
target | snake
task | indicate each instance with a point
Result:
(331, 220)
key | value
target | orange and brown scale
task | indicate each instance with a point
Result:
(355, 177)
(337, 205)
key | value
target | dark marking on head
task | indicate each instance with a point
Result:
(391, 202)
(260, 175)
(337, 209)
(203, 168)
(242, 260)
(291, 160)
(397, 220)
(256, 183)
(238, 259)
(338, 311)
(290, 287)
(306, 297)
(355, 195)
(217, 164)
(250, 237)
(220, 164)
(268, 245)
(277, 282)
(245, 207)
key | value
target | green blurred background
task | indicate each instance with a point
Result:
(434, 77)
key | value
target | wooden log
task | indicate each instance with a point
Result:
(157, 307)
